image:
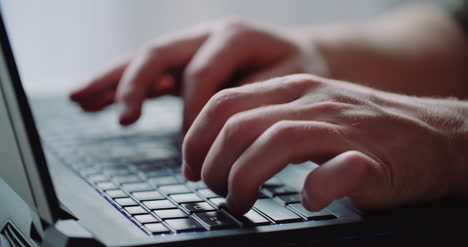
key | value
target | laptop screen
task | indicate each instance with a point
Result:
(23, 166)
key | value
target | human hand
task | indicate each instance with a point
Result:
(196, 64)
(380, 149)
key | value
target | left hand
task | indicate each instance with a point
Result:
(380, 149)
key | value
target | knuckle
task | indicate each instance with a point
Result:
(234, 23)
(199, 73)
(360, 163)
(282, 129)
(330, 107)
(234, 128)
(222, 102)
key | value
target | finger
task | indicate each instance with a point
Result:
(288, 67)
(348, 173)
(285, 142)
(214, 64)
(242, 129)
(222, 106)
(105, 81)
(106, 99)
(149, 66)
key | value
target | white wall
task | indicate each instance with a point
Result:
(59, 43)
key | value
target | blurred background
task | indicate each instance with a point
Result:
(59, 44)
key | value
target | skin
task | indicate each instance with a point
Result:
(405, 120)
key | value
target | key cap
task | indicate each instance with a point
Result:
(134, 210)
(253, 218)
(188, 197)
(166, 180)
(276, 211)
(126, 179)
(133, 187)
(116, 193)
(117, 172)
(207, 193)
(146, 218)
(197, 207)
(170, 213)
(125, 202)
(219, 201)
(292, 198)
(319, 215)
(197, 185)
(106, 186)
(185, 225)
(216, 220)
(159, 204)
(282, 190)
(89, 171)
(148, 195)
(156, 173)
(97, 179)
(157, 228)
(174, 189)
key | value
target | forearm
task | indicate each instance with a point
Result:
(416, 51)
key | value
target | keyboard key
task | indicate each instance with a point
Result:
(262, 195)
(166, 180)
(207, 193)
(216, 220)
(276, 211)
(185, 225)
(97, 179)
(133, 187)
(116, 193)
(125, 202)
(282, 190)
(197, 185)
(273, 182)
(170, 213)
(198, 207)
(146, 218)
(148, 195)
(174, 189)
(134, 210)
(159, 204)
(157, 228)
(106, 186)
(292, 198)
(319, 215)
(156, 173)
(126, 179)
(89, 171)
(117, 172)
(188, 197)
(219, 201)
(254, 218)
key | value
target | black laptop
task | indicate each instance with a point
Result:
(74, 179)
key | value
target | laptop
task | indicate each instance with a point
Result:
(74, 179)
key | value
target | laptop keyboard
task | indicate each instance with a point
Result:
(138, 172)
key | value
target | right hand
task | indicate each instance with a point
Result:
(196, 64)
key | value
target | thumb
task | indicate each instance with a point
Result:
(350, 173)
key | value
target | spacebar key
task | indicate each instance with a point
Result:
(276, 211)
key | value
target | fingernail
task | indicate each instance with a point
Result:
(230, 203)
(187, 171)
(123, 111)
(306, 202)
